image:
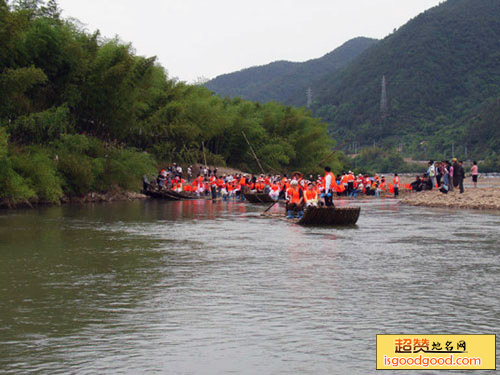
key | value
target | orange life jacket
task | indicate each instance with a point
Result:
(293, 195)
(333, 184)
(311, 195)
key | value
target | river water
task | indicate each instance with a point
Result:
(202, 288)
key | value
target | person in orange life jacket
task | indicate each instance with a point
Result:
(284, 186)
(330, 185)
(382, 187)
(311, 197)
(302, 185)
(295, 201)
(243, 187)
(213, 186)
(395, 182)
(350, 183)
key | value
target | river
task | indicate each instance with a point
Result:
(212, 288)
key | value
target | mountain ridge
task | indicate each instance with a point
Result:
(282, 80)
(441, 67)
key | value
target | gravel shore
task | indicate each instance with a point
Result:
(477, 199)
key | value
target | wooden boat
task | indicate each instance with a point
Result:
(160, 194)
(168, 195)
(181, 196)
(330, 216)
(258, 198)
(325, 216)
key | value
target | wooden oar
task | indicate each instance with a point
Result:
(267, 209)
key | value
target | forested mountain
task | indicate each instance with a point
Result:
(284, 81)
(441, 68)
(81, 113)
(483, 130)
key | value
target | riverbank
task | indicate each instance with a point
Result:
(116, 195)
(476, 199)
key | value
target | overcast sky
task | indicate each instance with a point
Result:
(206, 38)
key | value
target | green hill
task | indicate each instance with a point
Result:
(440, 68)
(285, 81)
(80, 113)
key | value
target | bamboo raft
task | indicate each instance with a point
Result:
(325, 216)
(168, 195)
(258, 198)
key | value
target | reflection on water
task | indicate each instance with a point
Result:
(197, 287)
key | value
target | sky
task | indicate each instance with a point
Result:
(205, 38)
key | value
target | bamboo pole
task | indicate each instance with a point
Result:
(253, 152)
(328, 157)
(267, 165)
(204, 156)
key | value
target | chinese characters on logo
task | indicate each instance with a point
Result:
(423, 344)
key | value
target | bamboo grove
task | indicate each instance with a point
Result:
(79, 113)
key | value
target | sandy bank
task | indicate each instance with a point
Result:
(477, 199)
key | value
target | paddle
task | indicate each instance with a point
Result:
(267, 209)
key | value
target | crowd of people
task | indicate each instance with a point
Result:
(300, 191)
(297, 190)
(445, 176)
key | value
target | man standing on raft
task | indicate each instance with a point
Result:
(330, 186)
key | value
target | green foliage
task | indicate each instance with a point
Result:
(125, 168)
(88, 164)
(87, 114)
(14, 83)
(41, 127)
(374, 159)
(490, 164)
(40, 174)
(12, 186)
(484, 129)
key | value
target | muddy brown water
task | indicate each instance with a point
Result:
(202, 288)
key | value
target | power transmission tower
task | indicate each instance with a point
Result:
(309, 95)
(383, 98)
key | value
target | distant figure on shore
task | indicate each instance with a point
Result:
(460, 174)
(451, 171)
(456, 178)
(474, 172)
(417, 184)
(395, 183)
(444, 186)
(431, 172)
